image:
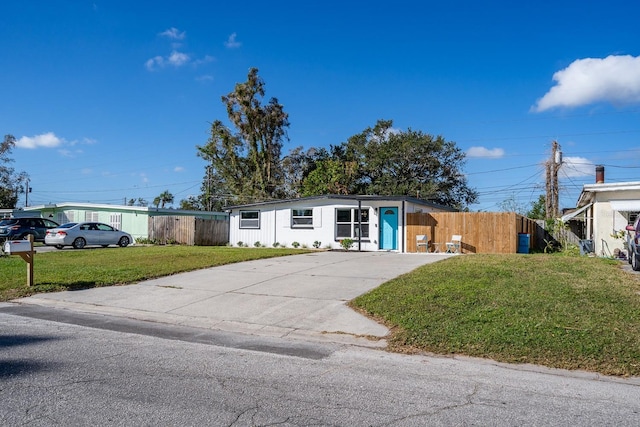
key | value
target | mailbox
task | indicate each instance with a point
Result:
(17, 246)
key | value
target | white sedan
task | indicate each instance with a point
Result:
(82, 234)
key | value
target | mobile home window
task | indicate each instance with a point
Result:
(302, 218)
(249, 219)
(115, 220)
(91, 216)
(347, 226)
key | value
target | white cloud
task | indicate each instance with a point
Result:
(48, 140)
(232, 43)
(615, 79)
(494, 153)
(178, 169)
(178, 58)
(206, 59)
(174, 34)
(154, 63)
(575, 167)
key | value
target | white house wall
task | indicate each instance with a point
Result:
(607, 221)
(275, 224)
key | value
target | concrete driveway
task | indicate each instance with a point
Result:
(300, 296)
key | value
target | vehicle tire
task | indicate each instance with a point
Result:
(105, 246)
(79, 243)
(635, 263)
(123, 242)
(59, 246)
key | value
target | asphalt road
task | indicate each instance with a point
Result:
(126, 372)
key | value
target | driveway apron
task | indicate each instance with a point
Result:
(300, 296)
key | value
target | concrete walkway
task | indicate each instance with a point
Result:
(300, 296)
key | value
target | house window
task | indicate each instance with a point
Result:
(302, 218)
(249, 219)
(91, 216)
(352, 224)
(65, 217)
(115, 220)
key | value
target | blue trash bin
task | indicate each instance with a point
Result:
(523, 243)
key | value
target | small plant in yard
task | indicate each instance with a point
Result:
(257, 244)
(346, 244)
(240, 244)
(295, 245)
(276, 244)
(317, 244)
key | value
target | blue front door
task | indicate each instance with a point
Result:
(389, 228)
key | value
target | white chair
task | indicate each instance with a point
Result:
(422, 241)
(453, 247)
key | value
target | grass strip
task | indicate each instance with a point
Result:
(557, 311)
(71, 269)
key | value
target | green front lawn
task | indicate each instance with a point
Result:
(71, 269)
(557, 311)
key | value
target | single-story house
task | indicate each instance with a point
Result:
(132, 219)
(373, 222)
(606, 209)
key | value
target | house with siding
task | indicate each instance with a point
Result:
(373, 222)
(132, 219)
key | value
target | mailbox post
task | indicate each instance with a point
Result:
(24, 248)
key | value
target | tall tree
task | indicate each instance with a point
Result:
(385, 161)
(10, 181)
(246, 163)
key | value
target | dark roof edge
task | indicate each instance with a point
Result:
(347, 197)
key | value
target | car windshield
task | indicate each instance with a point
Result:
(68, 225)
(8, 221)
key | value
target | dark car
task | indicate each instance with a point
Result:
(22, 228)
(633, 243)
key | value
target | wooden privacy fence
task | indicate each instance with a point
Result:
(188, 230)
(482, 232)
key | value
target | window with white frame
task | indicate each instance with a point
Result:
(115, 220)
(302, 218)
(352, 224)
(249, 219)
(65, 217)
(91, 216)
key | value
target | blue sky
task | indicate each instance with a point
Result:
(108, 99)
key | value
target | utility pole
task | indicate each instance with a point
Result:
(27, 190)
(552, 166)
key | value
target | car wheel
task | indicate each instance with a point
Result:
(59, 246)
(635, 265)
(105, 246)
(79, 243)
(123, 242)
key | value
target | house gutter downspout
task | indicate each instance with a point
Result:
(359, 225)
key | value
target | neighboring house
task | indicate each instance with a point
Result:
(132, 219)
(606, 209)
(373, 222)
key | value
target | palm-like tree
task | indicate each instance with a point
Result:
(164, 197)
